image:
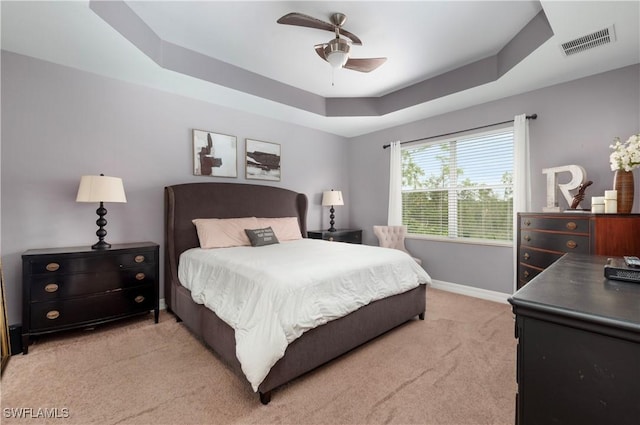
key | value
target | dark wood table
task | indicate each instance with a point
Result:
(339, 235)
(578, 356)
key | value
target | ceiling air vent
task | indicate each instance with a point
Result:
(598, 38)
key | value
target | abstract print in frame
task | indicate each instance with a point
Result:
(263, 160)
(214, 154)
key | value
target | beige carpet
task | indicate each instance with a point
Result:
(456, 367)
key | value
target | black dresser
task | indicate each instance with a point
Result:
(340, 235)
(578, 355)
(65, 288)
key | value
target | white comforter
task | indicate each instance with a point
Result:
(272, 294)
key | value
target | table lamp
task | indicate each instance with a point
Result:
(332, 198)
(101, 189)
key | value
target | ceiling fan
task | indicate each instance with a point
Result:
(336, 50)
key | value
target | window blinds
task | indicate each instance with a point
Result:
(460, 188)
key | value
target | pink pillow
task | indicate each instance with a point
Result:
(224, 232)
(285, 228)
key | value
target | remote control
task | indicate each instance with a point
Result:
(631, 261)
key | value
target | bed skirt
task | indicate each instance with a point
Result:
(316, 346)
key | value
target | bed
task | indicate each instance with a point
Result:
(186, 202)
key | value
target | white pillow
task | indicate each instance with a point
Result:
(285, 228)
(224, 232)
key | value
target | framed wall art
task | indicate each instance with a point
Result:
(214, 154)
(262, 160)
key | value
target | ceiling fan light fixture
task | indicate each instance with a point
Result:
(337, 52)
(337, 59)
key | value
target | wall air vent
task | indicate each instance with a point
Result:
(595, 39)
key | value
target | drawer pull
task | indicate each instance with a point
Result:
(526, 256)
(140, 276)
(51, 287)
(572, 225)
(138, 258)
(527, 223)
(571, 244)
(53, 314)
(527, 238)
(139, 299)
(526, 273)
(52, 267)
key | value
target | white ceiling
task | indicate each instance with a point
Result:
(421, 39)
(417, 38)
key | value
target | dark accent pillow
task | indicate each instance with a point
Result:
(261, 237)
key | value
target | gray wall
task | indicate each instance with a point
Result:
(576, 123)
(59, 123)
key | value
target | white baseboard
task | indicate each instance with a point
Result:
(163, 305)
(470, 291)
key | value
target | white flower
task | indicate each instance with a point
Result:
(625, 156)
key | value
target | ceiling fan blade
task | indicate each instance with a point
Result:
(354, 40)
(364, 64)
(320, 50)
(302, 20)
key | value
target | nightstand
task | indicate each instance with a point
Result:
(340, 235)
(67, 288)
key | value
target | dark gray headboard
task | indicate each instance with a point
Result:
(184, 202)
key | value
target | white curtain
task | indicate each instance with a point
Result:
(521, 180)
(395, 185)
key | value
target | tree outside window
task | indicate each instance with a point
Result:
(460, 188)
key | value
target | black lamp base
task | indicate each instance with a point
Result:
(101, 232)
(331, 221)
(101, 245)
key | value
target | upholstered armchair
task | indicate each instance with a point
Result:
(393, 237)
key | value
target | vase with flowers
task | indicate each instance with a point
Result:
(624, 159)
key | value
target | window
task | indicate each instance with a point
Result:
(460, 188)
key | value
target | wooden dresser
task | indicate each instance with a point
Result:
(578, 353)
(65, 288)
(545, 237)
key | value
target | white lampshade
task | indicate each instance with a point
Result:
(331, 198)
(101, 189)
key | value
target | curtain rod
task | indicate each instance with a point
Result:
(529, 117)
